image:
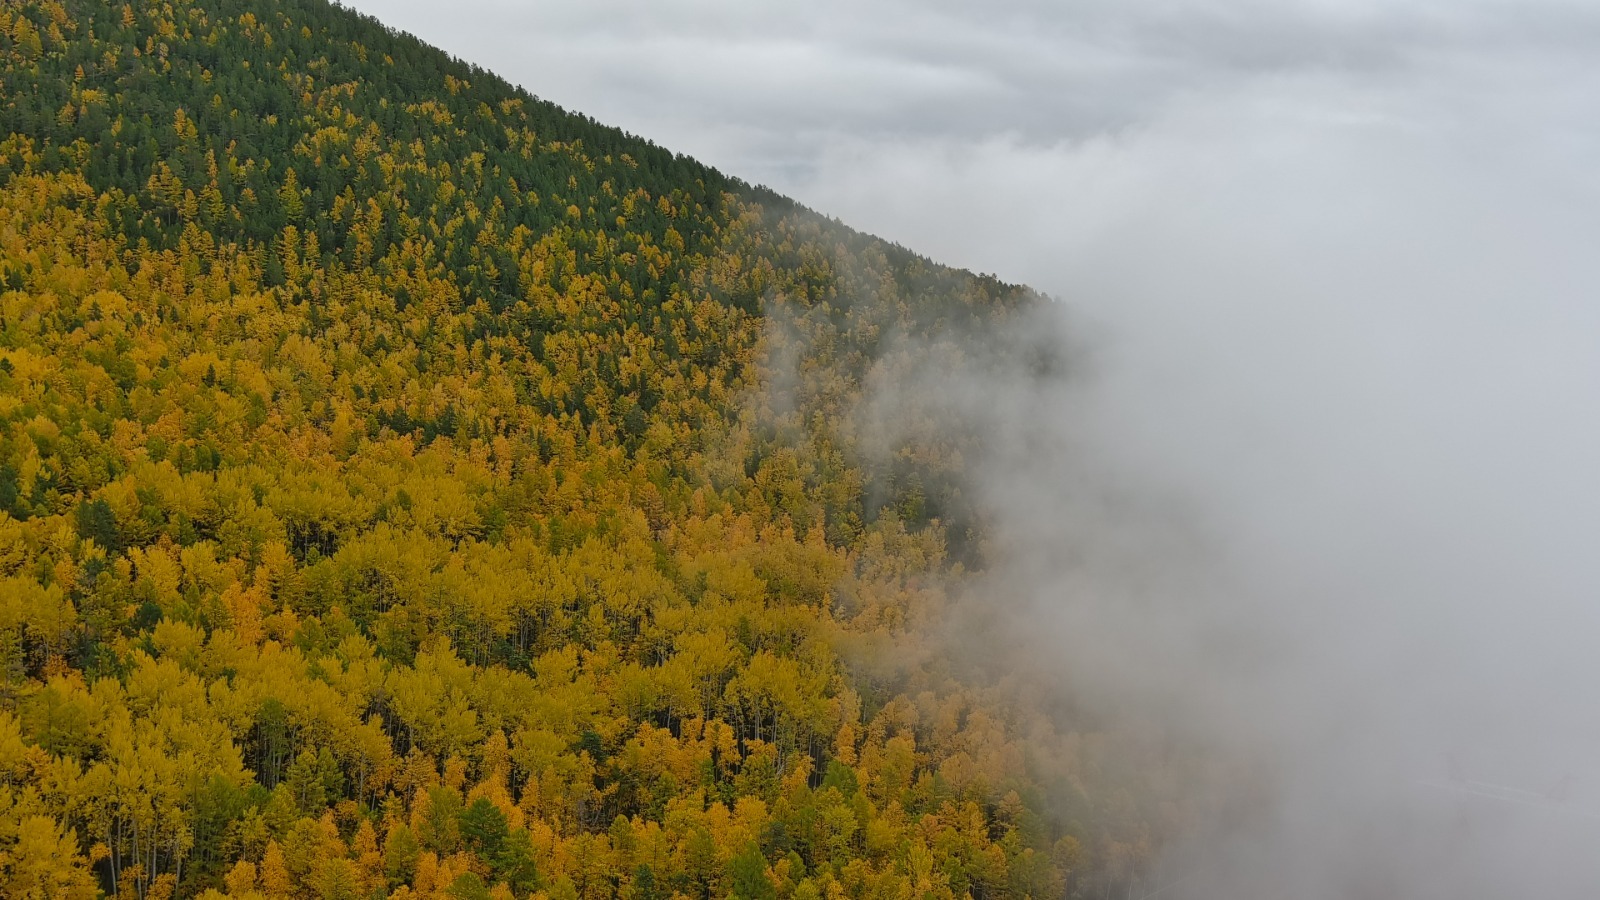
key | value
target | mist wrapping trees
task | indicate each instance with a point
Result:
(409, 488)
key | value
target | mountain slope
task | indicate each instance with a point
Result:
(409, 488)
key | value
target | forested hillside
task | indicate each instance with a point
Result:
(411, 489)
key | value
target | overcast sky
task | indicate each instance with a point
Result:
(1341, 262)
(777, 92)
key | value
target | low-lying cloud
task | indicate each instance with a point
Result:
(1328, 501)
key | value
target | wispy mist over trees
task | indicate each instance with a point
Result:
(408, 488)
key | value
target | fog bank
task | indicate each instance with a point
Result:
(1327, 499)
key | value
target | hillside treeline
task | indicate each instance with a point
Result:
(411, 489)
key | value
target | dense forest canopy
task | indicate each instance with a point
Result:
(411, 489)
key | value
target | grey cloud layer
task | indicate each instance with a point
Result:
(763, 88)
